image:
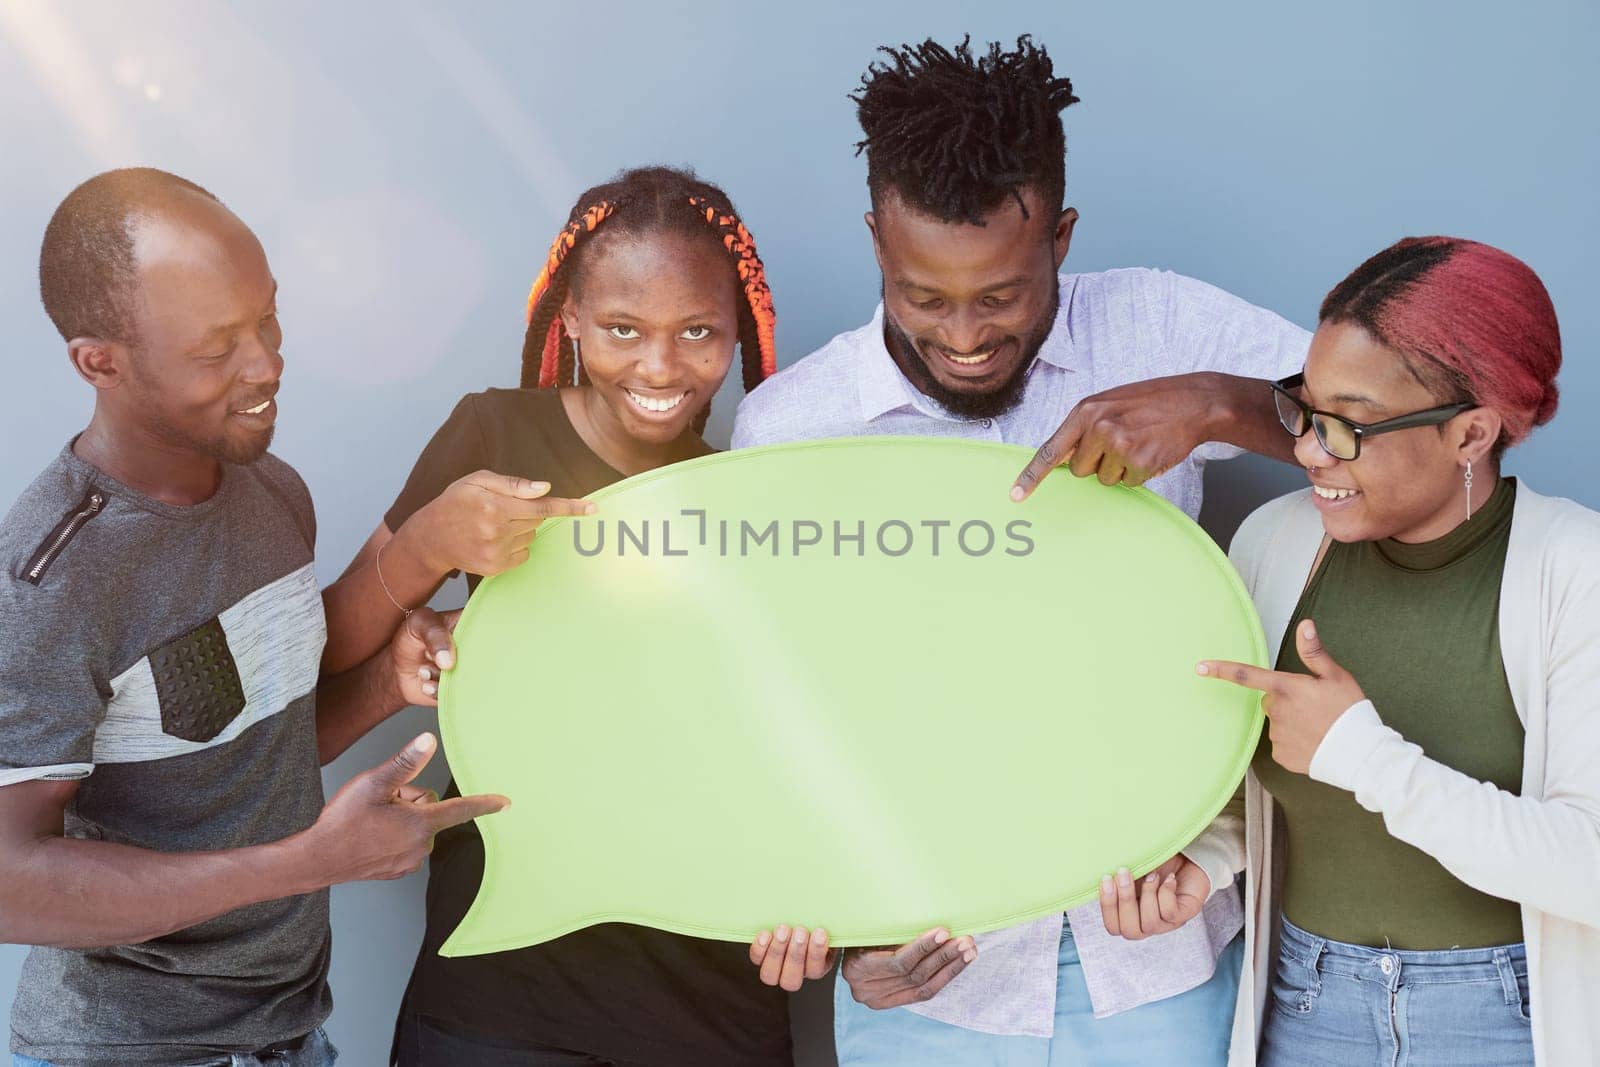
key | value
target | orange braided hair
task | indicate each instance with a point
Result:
(752, 278)
(564, 242)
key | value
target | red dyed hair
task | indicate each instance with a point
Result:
(1473, 323)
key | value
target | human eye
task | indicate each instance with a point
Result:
(999, 301)
(696, 333)
(622, 333)
(928, 305)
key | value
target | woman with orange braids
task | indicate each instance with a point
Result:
(632, 326)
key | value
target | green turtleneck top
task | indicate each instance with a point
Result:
(1418, 627)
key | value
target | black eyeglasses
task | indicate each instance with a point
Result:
(1340, 437)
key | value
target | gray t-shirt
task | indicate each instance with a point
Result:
(168, 657)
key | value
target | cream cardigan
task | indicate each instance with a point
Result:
(1541, 848)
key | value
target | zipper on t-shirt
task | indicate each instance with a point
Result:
(63, 533)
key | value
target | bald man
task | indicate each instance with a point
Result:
(163, 838)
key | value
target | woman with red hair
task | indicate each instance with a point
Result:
(1423, 816)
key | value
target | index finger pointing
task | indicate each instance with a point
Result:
(1052, 454)
(457, 810)
(517, 510)
(1239, 674)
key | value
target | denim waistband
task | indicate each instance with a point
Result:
(1395, 967)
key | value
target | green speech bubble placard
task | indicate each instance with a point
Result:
(849, 684)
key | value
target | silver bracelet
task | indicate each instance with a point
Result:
(377, 565)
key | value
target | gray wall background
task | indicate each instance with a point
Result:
(405, 167)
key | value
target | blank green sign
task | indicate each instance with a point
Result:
(847, 684)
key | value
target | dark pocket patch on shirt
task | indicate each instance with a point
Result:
(197, 683)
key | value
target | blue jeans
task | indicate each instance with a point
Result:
(1343, 1005)
(1190, 1029)
(316, 1051)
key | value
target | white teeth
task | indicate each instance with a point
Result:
(972, 360)
(1334, 494)
(258, 409)
(651, 403)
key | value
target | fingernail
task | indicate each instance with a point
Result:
(429, 689)
(423, 743)
(1172, 878)
(941, 937)
(969, 956)
(799, 937)
(1016, 492)
(445, 660)
(1311, 628)
(781, 933)
(1151, 878)
(1107, 886)
(1201, 668)
(819, 935)
(1124, 877)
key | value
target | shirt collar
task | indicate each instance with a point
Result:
(884, 387)
(1057, 347)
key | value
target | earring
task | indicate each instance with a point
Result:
(1469, 490)
(577, 362)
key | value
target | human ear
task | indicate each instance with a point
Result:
(101, 363)
(872, 227)
(1476, 432)
(1062, 239)
(569, 314)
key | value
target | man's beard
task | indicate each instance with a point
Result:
(242, 455)
(985, 405)
(221, 448)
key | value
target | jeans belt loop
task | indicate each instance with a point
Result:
(1508, 977)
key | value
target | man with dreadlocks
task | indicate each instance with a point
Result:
(979, 337)
(633, 322)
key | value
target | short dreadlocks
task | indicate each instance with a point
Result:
(954, 134)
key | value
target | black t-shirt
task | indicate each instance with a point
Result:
(615, 990)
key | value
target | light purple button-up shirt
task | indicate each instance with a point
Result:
(1115, 327)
